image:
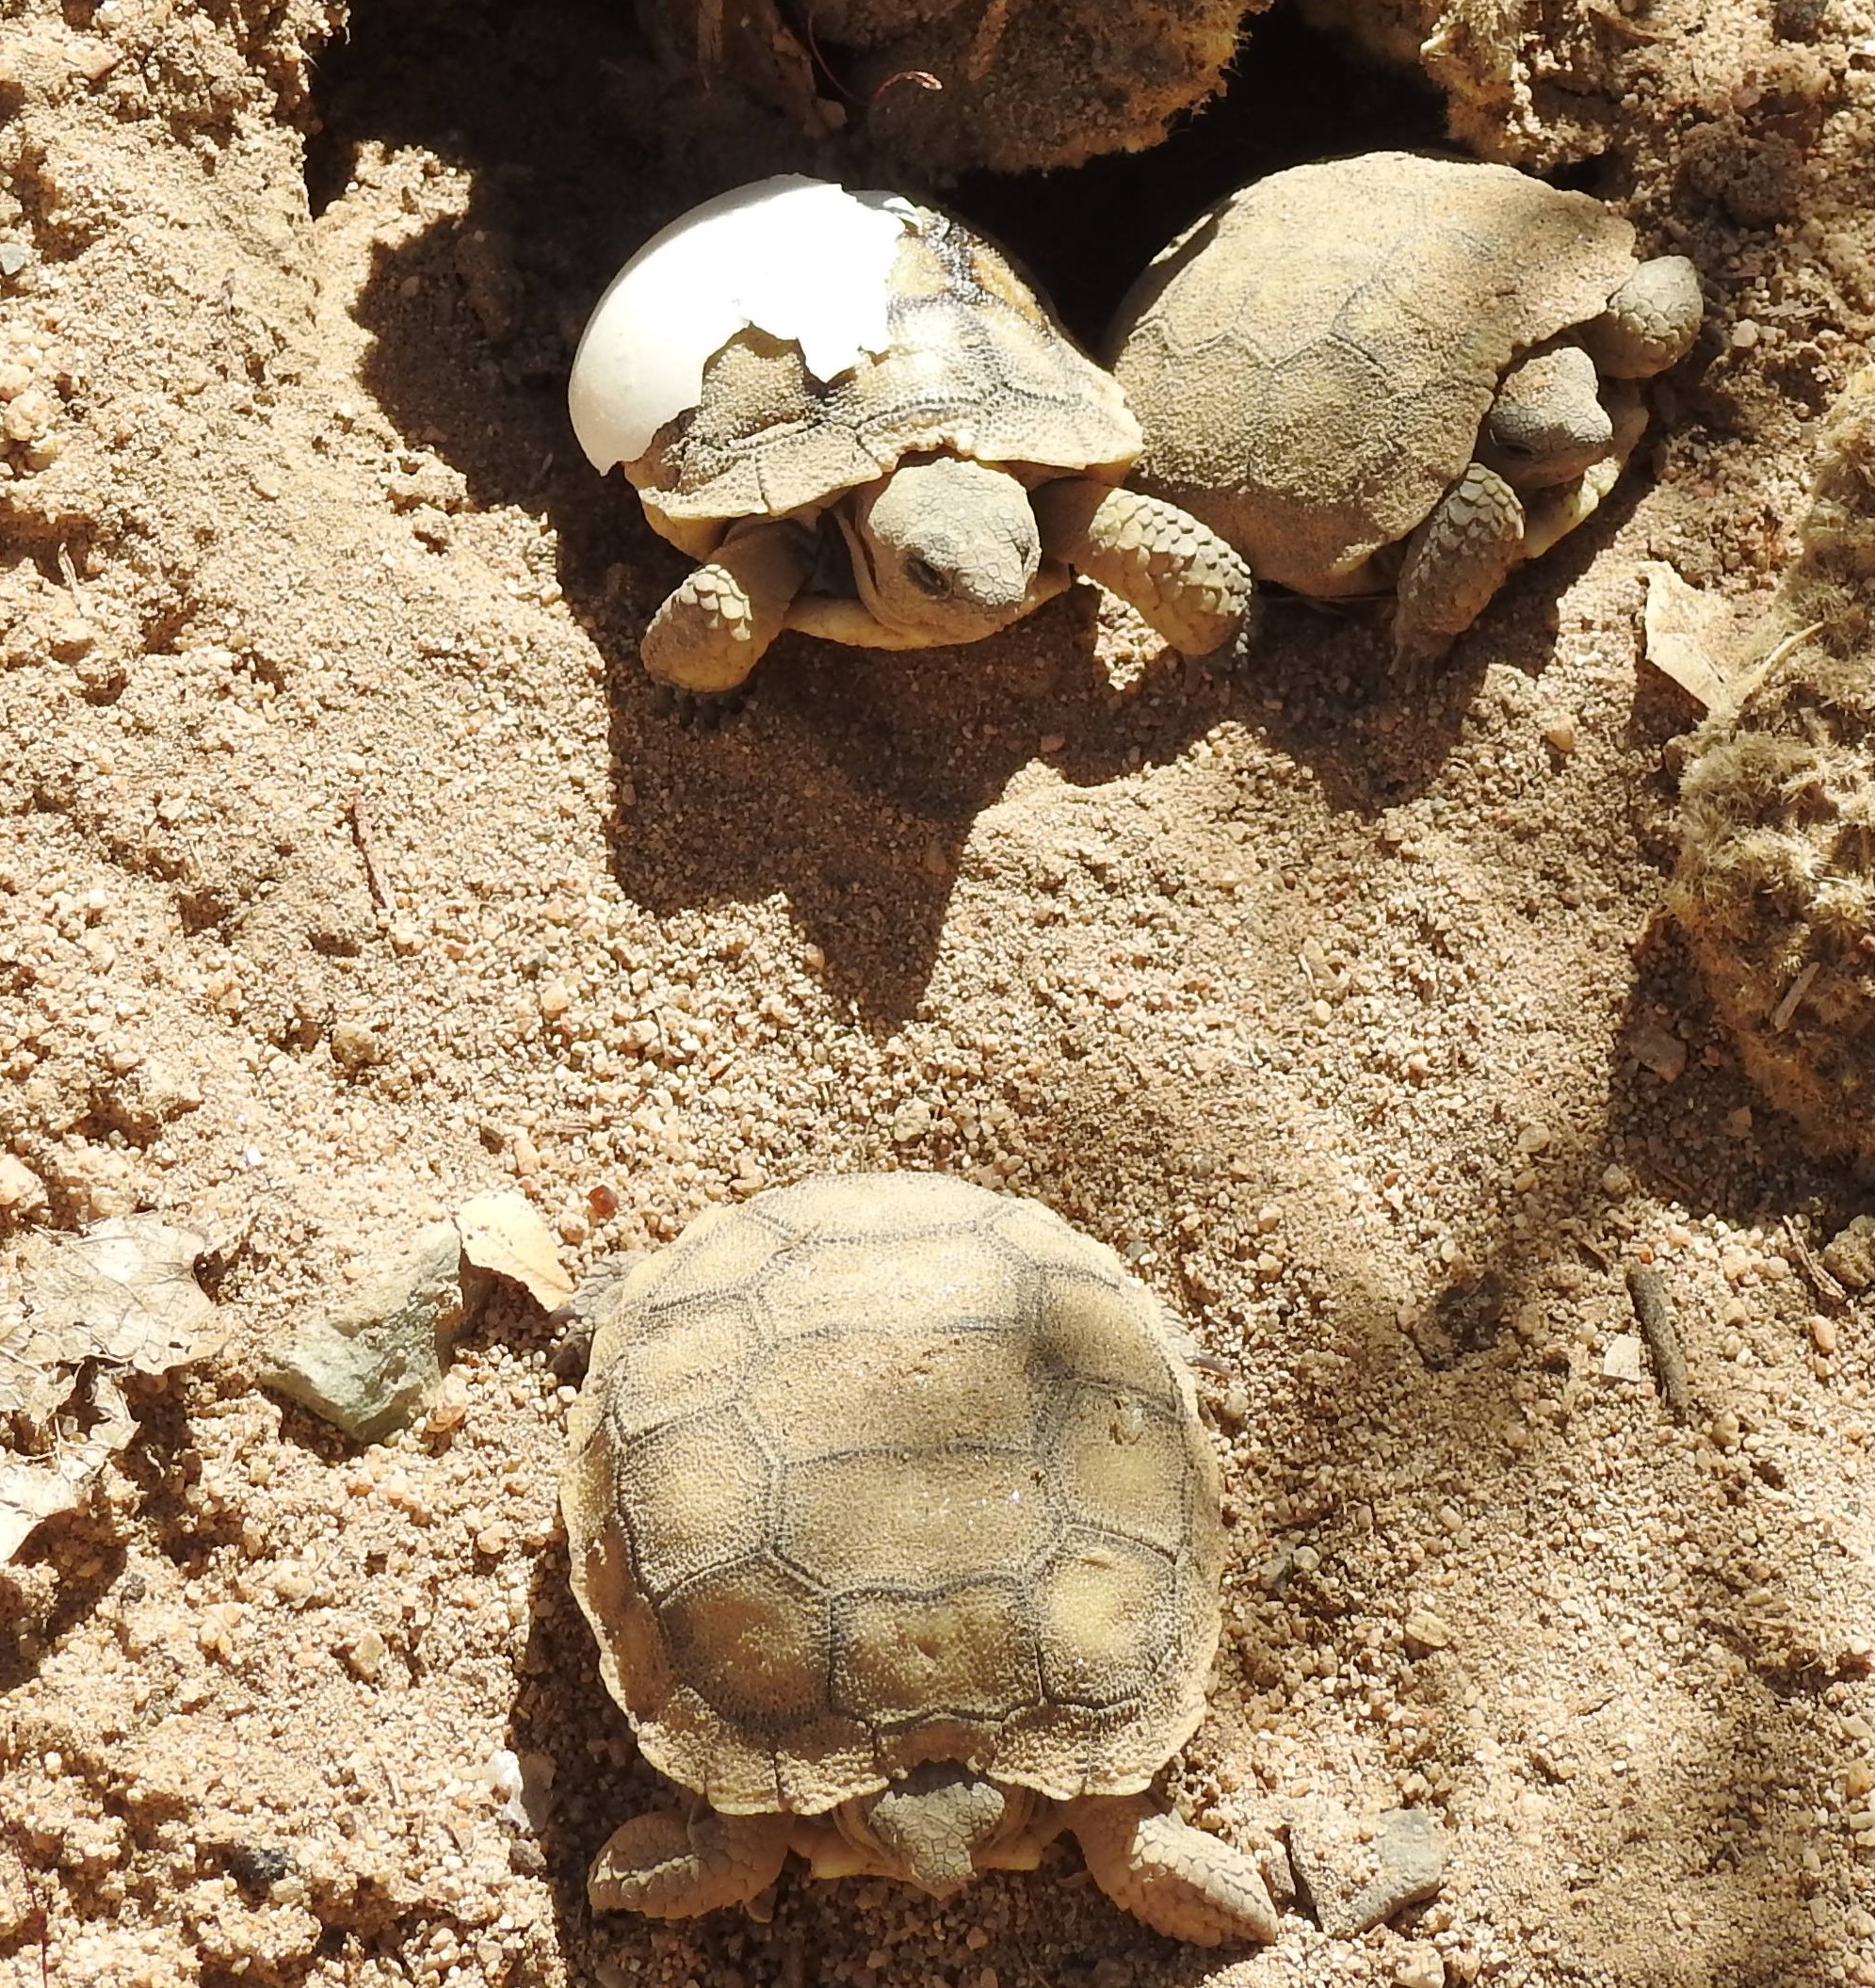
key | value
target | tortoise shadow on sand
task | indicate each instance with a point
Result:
(850, 784)
(1452, 1397)
(1449, 1379)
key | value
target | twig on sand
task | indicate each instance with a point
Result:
(1647, 1292)
(362, 831)
(1828, 1292)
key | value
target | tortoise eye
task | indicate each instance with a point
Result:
(927, 578)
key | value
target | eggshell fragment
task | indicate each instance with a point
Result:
(802, 259)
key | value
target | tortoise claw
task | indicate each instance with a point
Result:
(697, 710)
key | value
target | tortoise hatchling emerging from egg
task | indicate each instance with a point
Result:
(890, 1508)
(860, 421)
(1397, 372)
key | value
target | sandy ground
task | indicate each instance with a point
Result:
(1342, 1017)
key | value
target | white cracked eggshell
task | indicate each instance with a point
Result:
(800, 258)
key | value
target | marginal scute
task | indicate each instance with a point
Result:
(862, 1204)
(1041, 1236)
(969, 1513)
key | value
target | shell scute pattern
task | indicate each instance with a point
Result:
(751, 1637)
(1106, 1607)
(963, 1652)
(956, 1376)
(696, 1360)
(1348, 324)
(972, 364)
(1119, 1463)
(717, 1253)
(715, 1480)
(941, 1494)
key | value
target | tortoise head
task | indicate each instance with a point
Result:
(1547, 424)
(937, 1827)
(946, 549)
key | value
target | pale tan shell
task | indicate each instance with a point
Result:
(1312, 359)
(886, 1468)
(975, 366)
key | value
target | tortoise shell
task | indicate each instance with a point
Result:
(794, 341)
(882, 1469)
(1313, 357)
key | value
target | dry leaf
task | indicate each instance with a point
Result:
(1688, 634)
(124, 1294)
(33, 1488)
(33, 1380)
(503, 1233)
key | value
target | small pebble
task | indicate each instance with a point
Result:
(1660, 1050)
(355, 1047)
(20, 1186)
(1425, 1631)
(365, 1656)
(1422, 1966)
(1625, 1359)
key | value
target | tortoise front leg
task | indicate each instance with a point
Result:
(671, 1868)
(711, 632)
(1180, 1881)
(1190, 586)
(1455, 562)
(1650, 321)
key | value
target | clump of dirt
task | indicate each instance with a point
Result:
(1541, 85)
(943, 87)
(1776, 879)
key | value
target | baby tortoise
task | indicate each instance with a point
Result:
(860, 421)
(1398, 373)
(891, 1510)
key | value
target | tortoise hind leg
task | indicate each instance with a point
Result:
(1180, 1881)
(1455, 562)
(712, 631)
(668, 1867)
(1183, 578)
